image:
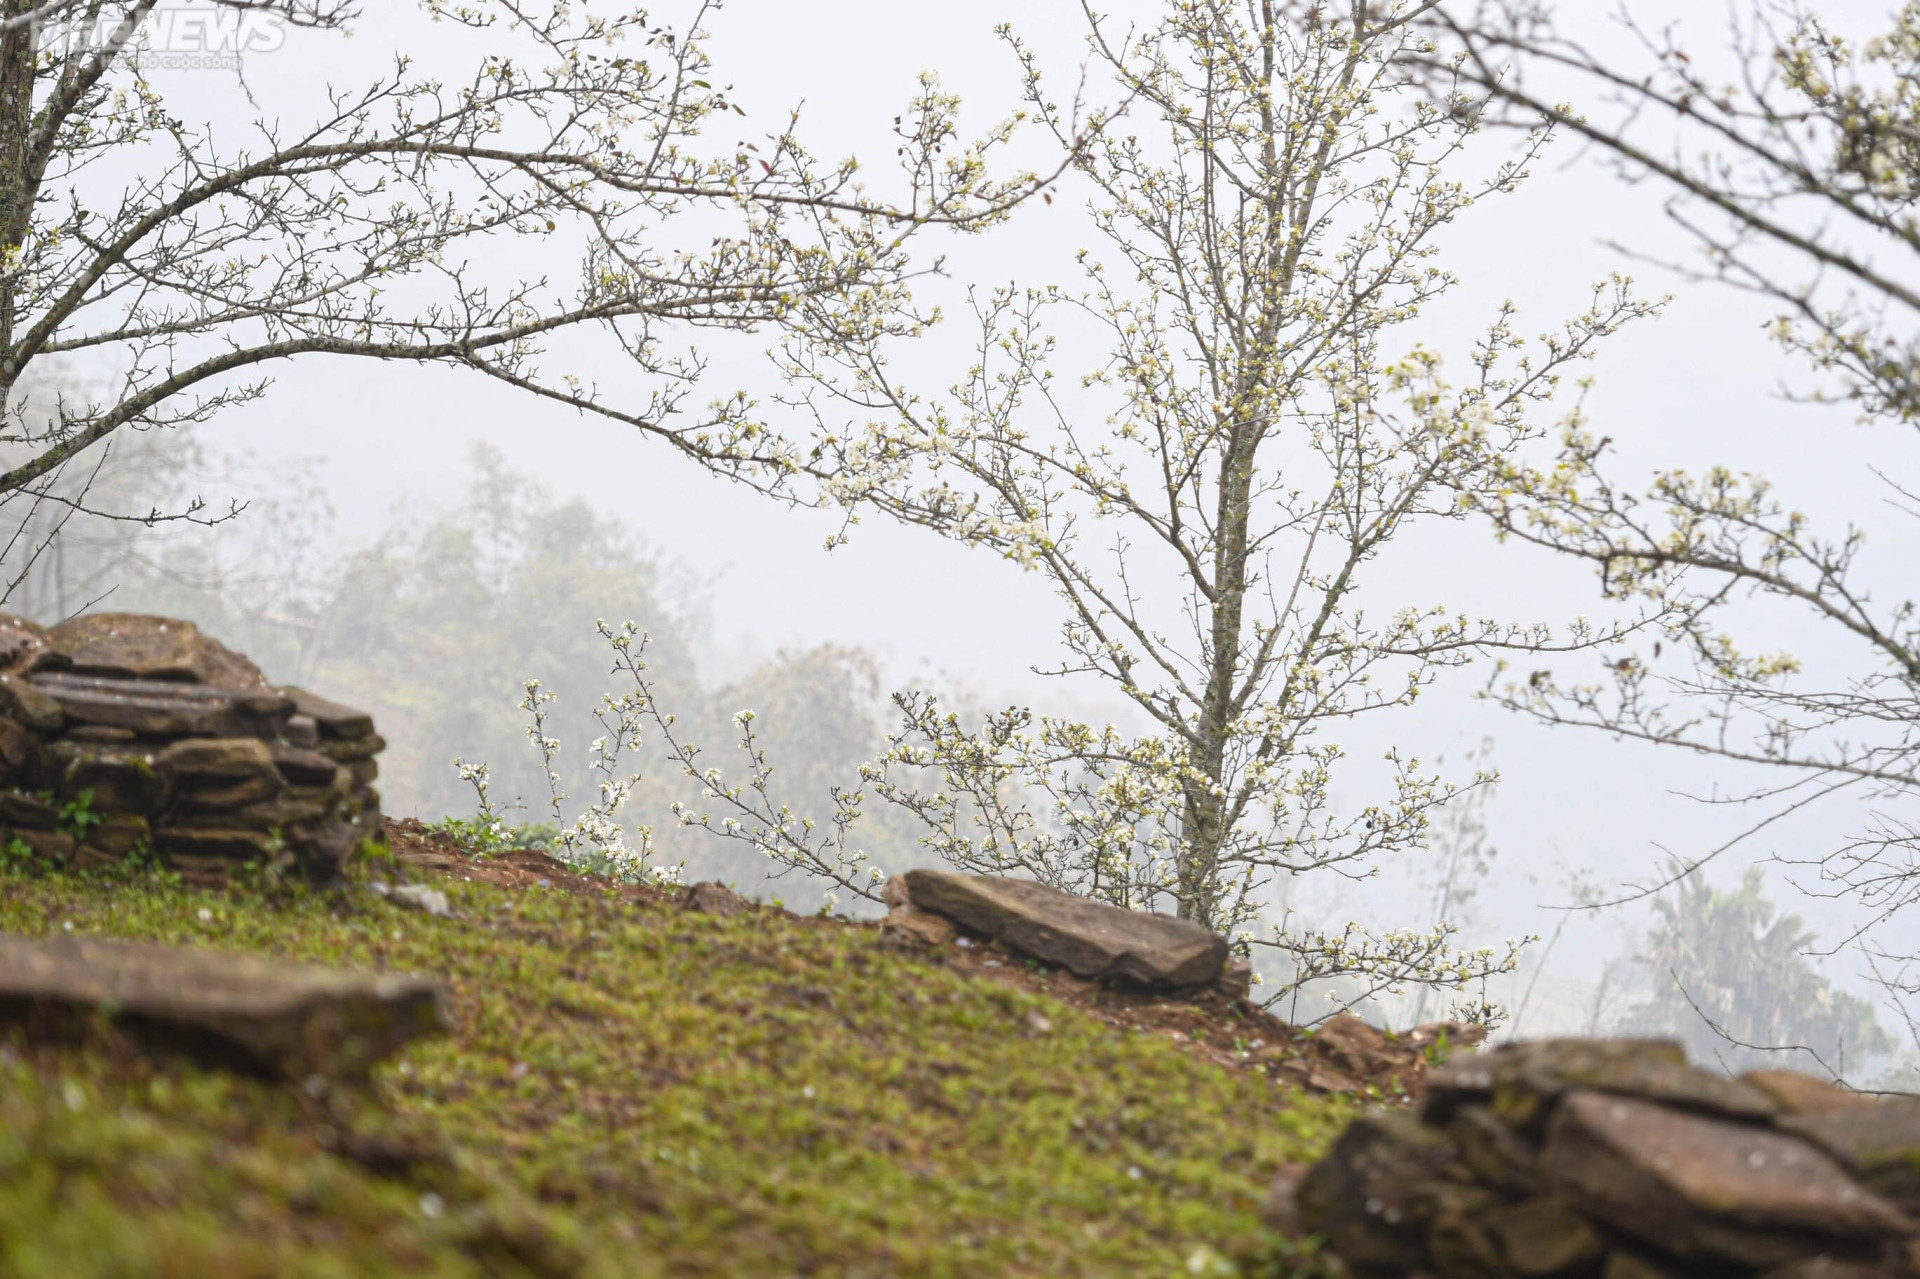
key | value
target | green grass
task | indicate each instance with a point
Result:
(633, 1090)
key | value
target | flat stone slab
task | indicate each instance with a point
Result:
(136, 646)
(156, 708)
(249, 1012)
(1702, 1188)
(1088, 938)
(1522, 1081)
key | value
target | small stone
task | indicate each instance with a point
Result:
(303, 767)
(418, 896)
(712, 898)
(332, 720)
(1237, 981)
(1086, 937)
(300, 730)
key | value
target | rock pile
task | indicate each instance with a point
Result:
(1616, 1159)
(124, 736)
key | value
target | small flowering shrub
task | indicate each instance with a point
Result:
(596, 840)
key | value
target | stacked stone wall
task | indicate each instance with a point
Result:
(126, 736)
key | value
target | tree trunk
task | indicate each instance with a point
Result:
(18, 46)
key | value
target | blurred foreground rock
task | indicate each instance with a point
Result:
(1616, 1159)
(245, 1012)
(124, 736)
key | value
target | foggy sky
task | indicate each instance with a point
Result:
(1696, 387)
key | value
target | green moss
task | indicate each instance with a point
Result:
(663, 1092)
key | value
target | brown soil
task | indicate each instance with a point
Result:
(1343, 1055)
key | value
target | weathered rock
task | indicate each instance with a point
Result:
(303, 767)
(53, 846)
(283, 812)
(217, 759)
(415, 896)
(1521, 1082)
(17, 745)
(1697, 1188)
(907, 922)
(101, 733)
(300, 730)
(1458, 1242)
(138, 647)
(218, 844)
(1089, 938)
(1798, 1094)
(265, 1016)
(1541, 1237)
(347, 750)
(25, 704)
(30, 811)
(119, 837)
(1880, 1142)
(118, 779)
(1497, 1155)
(1372, 1196)
(1237, 980)
(157, 709)
(711, 898)
(226, 797)
(23, 644)
(333, 720)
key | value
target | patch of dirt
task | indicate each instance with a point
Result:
(1343, 1055)
(422, 848)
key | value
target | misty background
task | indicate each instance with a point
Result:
(421, 543)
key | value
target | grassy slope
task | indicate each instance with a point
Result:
(633, 1090)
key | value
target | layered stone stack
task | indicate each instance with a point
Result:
(1616, 1159)
(123, 735)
